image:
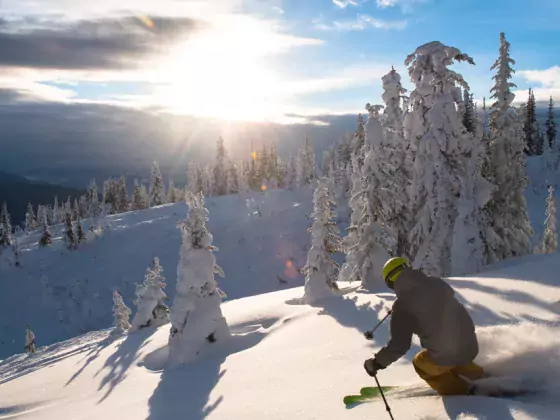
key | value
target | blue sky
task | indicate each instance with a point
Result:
(261, 59)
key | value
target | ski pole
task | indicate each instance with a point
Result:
(384, 399)
(369, 334)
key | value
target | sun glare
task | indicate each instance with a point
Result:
(221, 73)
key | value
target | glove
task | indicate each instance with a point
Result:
(372, 366)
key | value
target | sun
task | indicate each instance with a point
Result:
(222, 73)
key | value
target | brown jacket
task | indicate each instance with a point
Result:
(426, 306)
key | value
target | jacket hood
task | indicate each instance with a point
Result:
(408, 280)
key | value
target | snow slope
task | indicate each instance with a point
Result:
(260, 241)
(292, 361)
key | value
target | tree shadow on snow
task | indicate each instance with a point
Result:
(91, 356)
(184, 392)
(120, 361)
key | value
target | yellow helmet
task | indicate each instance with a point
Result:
(393, 268)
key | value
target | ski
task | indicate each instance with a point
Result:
(366, 393)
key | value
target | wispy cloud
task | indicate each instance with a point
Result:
(361, 23)
(344, 3)
(278, 10)
(547, 81)
(405, 5)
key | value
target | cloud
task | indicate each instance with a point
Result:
(405, 5)
(101, 44)
(344, 3)
(278, 10)
(548, 83)
(361, 23)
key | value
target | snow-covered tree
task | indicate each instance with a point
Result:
(530, 125)
(81, 236)
(196, 315)
(194, 180)
(550, 236)
(157, 186)
(30, 220)
(121, 314)
(469, 117)
(243, 179)
(509, 230)
(171, 192)
(220, 169)
(232, 179)
(364, 252)
(357, 143)
(437, 135)
(46, 238)
(30, 345)
(140, 199)
(70, 237)
(123, 202)
(40, 215)
(306, 164)
(290, 179)
(328, 157)
(5, 226)
(550, 124)
(321, 271)
(396, 166)
(94, 207)
(152, 310)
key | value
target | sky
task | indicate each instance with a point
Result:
(258, 60)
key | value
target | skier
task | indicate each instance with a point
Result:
(29, 340)
(427, 306)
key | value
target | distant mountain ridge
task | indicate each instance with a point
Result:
(18, 191)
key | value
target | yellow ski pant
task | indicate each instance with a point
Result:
(445, 379)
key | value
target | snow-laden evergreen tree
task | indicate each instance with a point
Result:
(469, 116)
(530, 125)
(364, 252)
(70, 237)
(30, 345)
(83, 207)
(40, 215)
(509, 230)
(358, 142)
(207, 181)
(220, 169)
(321, 271)
(121, 314)
(550, 236)
(30, 221)
(46, 238)
(150, 299)
(328, 157)
(81, 236)
(171, 192)
(75, 209)
(290, 179)
(396, 166)
(232, 179)
(196, 315)
(306, 171)
(5, 226)
(243, 179)
(550, 124)
(123, 202)
(539, 142)
(93, 199)
(194, 181)
(437, 135)
(157, 186)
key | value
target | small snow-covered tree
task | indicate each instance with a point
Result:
(121, 314)
(5, 226)
(171, 192)
(94, 207)
(56, 212)
(152, 310)
(30, 221)
(509, 227)
(30, 346)
(321, 271)
(290, 179)
(550, 236)
(358, 142)
(46, 238)
(435, 131)
(70, 237)
(243, 179)
(469, 117)
(123, 202)
(232, 179)
(530, 125)
(220, 169)
(81, 236)
(328, 157)
(550, 124)
(40, 215)
(196, 315)
(157, 186)
(306, 164)
(194, 180)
